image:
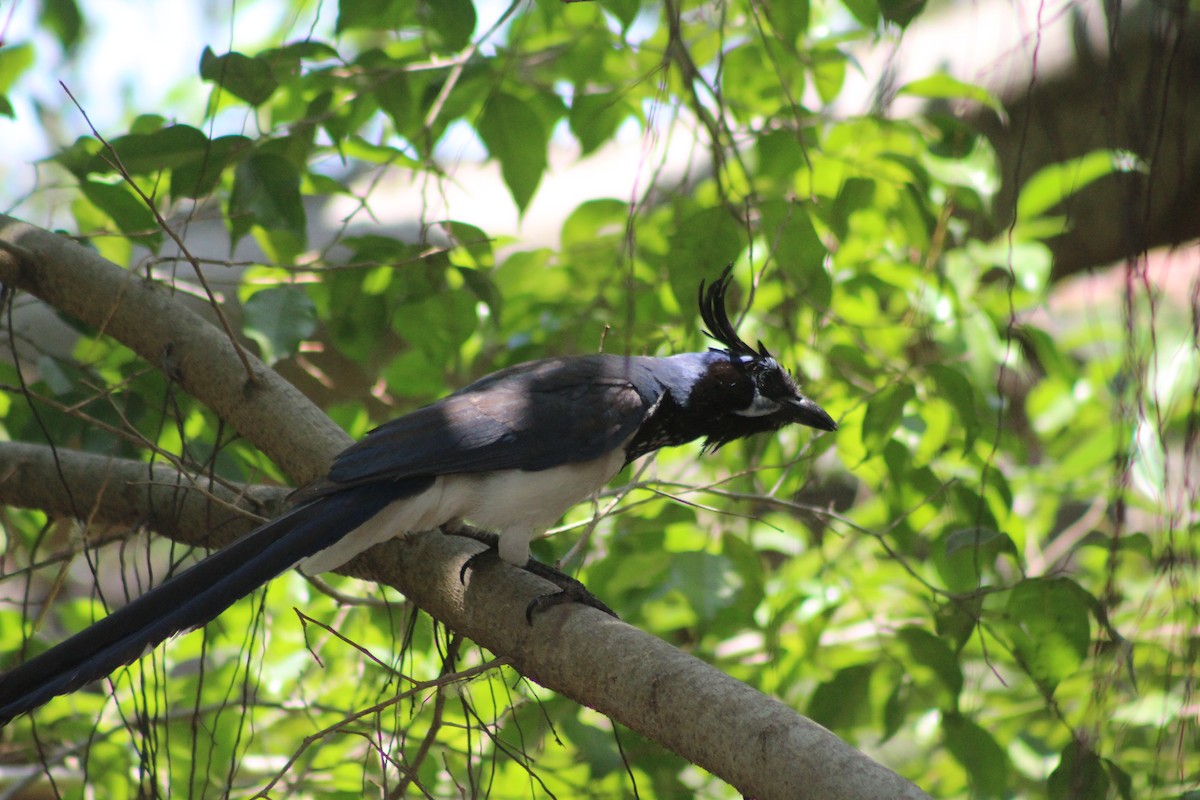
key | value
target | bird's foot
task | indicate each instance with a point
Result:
(490, 539)
(569, 589)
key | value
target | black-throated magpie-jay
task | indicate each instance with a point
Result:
(510, 453)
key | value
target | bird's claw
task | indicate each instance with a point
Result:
(551, 599)
(569, 589)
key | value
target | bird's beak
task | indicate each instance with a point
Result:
(806, 412)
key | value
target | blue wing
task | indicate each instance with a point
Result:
(533, 416)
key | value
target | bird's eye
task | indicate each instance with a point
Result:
(773, 380)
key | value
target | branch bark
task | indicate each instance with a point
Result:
(757, 744)
(149, 319)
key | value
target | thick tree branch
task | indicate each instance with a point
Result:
(150, 320)
(113, 491)
(757, 744)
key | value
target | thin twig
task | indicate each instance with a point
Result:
(421, 686)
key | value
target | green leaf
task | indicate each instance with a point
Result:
(79, 156)
(395, 96)
(371, 14)
(955, 388)
(625, 11)
(356, 320)
(1053, 184)
(1079, 775)
(360, 149)
(865, 11)
(479, 282)
(1124, 783)
(375, 249)
(931, 652)
(964, 554)
(943, 87)
(279, 319)
(452, 20)
(747, 564)
(1049, 627)
(148, 153)
(956, 618)
(472, 247)
(594, 118)
(844, 701)
(593, 234)
(707, 581)
(148, 123)
(799, 250)
(438, 324)
(901, 12)
(515, 136)
(979, 539)
(751, 84)
(789, 19)
(266, 192)
(780, 154)
(984, 760)
(14, 60)
(703, 243)
(286, 61)
(975, 168)
(245, 77)
(895, 709)
(128, 211)
(63, 19)
(199, 176)
(828, 72)
(884, 412)
(595, 744)
(854, 195)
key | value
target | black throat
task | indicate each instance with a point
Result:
(669, 425)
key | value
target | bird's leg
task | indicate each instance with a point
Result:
(569, 589)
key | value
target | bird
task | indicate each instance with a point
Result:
(508, 454)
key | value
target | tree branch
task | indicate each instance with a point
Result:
(757, 744)
(151, 321)
(754, 742)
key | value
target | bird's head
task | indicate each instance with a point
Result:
(747, 389)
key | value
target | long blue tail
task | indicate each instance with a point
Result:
(190, 599)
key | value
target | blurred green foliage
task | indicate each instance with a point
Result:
(986, 578)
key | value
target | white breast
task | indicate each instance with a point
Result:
(514, 504)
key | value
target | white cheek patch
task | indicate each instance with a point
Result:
(759, 407)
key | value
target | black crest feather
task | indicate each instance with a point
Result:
(712, 311)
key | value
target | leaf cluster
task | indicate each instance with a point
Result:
(985, 578)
